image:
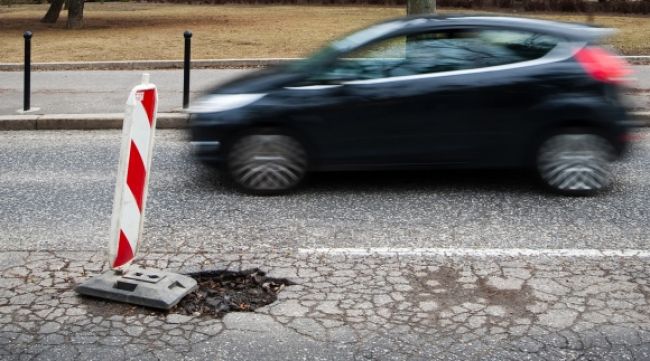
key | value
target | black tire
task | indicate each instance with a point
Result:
(266, 163)
(575, 162)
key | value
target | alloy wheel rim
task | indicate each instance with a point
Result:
(575, 162)
(267, 162)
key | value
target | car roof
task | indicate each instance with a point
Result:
(571, 31)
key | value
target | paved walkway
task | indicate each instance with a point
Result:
(86, 92)
(344, 307)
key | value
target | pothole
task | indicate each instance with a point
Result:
(221, 292)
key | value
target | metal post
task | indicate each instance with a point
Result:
(186, 69)
(27, 70)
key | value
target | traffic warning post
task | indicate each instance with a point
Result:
(133, 174)
(147, 287)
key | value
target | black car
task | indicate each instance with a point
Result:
(428, 91)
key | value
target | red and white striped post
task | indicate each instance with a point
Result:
(133, 174)
(140, 286)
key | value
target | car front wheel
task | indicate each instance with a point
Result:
(266, 163)
(575, 163)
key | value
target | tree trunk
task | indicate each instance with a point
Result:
(420, 7)
(590, 12)
(75, 14)
(53, 12)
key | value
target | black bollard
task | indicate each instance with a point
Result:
(28, 69)
(186, 69)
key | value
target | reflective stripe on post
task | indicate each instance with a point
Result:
(133, 174)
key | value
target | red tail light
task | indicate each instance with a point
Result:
(603, 65)
(632, 137)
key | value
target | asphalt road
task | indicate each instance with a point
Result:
(82, 92)
(56, 190)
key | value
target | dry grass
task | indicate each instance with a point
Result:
(632, 37)
(132, 31)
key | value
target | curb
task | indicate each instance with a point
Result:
(196, 64)
(83, 121)
(149, 64)
(114, 121)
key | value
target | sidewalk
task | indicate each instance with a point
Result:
(95, 99)
(101, 92)
(344, 307)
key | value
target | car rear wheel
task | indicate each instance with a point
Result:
(266, 163)
(575, 163)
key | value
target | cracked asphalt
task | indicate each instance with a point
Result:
(56, 193)
(342, 308)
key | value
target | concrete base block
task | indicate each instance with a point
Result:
(144, 287)
(28, 111)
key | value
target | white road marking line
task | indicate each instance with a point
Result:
(479, 252)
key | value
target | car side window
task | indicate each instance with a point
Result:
(519, 45)
(368, 62)
(438, 51)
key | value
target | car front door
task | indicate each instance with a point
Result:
(375, 106)
(410, 103)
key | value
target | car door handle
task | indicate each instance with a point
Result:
(313, 87)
